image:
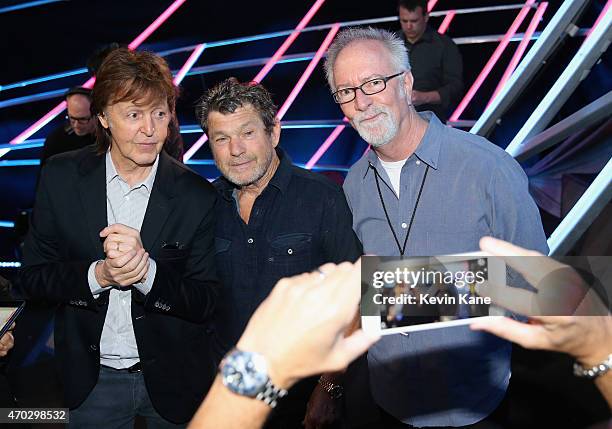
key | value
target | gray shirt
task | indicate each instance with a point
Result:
(126, 205)
(453, 376)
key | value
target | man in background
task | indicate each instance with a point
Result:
(435, 60)
(79, 130)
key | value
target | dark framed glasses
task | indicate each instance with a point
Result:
(371, 87)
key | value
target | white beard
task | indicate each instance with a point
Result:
(378, 132)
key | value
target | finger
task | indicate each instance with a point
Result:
(353, 346)
(123, 242)
(118, 228)
(530, 264)
(514, 299)
(119, 262)
(139, 272)
(129, 268)
(7, 341)
(531, 336)
(348, 288)
(114, 254)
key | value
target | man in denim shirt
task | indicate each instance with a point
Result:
(425, 189)
(274, 219)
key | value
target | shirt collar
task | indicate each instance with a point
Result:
(280, 180)
(428, 150)
(112, 174)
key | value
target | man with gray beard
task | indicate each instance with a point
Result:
(275, 220)
(425, 189)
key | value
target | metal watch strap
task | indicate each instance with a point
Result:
(595, 371)
(334, 390)
(271, 394)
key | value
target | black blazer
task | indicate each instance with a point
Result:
(63, 241)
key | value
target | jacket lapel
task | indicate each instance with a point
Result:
(92, 193)
(160, 203)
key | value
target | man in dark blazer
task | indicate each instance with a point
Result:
(122, 241)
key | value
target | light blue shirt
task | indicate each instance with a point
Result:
(453, 376)
(126, 205)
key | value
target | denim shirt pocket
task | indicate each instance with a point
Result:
(290, 254)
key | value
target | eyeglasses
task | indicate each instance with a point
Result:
(371, 87)
(81, 121)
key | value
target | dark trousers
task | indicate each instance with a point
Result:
(114, 403)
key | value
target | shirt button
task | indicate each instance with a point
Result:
(418, 162)
(404, 225)
(290, 251)
(250, 241)
(128, 198)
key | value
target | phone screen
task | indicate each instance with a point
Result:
(410, 294)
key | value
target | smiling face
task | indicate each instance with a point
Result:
(377, 118)
(242, 148)
(138, 131)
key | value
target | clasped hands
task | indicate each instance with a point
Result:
(126, 260)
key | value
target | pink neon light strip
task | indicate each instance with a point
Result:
(599, 18)
(446, 22)
(266, 68)
(491, 63)
(60, 107)
(308, 72)
(323, 148)
(296, 32)
(178, 78)
(338, 130)
(520, 50)
(155, 24)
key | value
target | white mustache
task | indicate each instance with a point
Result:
(373, 111)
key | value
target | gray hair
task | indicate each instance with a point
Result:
(394, 44)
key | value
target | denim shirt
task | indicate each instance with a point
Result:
(299, 222)
(453, 376)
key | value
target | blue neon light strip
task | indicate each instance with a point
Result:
(26, 5)
(7, 224)
(211, 162)
(34, 97)
(43, 79)
(19, 162)
(28, 144)
(34, 162)
(194, 71)
(193, 129)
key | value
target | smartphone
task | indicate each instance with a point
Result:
(9, 310)
(422, 293)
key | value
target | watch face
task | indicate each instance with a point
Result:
(244, 373)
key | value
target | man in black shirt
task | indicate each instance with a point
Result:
(436, 62)
(79, 129)
(274, 219)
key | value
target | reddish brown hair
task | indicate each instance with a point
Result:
(126, 75)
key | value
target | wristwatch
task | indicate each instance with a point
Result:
(595, 371)
(335, 391)
(246, 373)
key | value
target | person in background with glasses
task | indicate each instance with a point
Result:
(79, 130)
(423, 189)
